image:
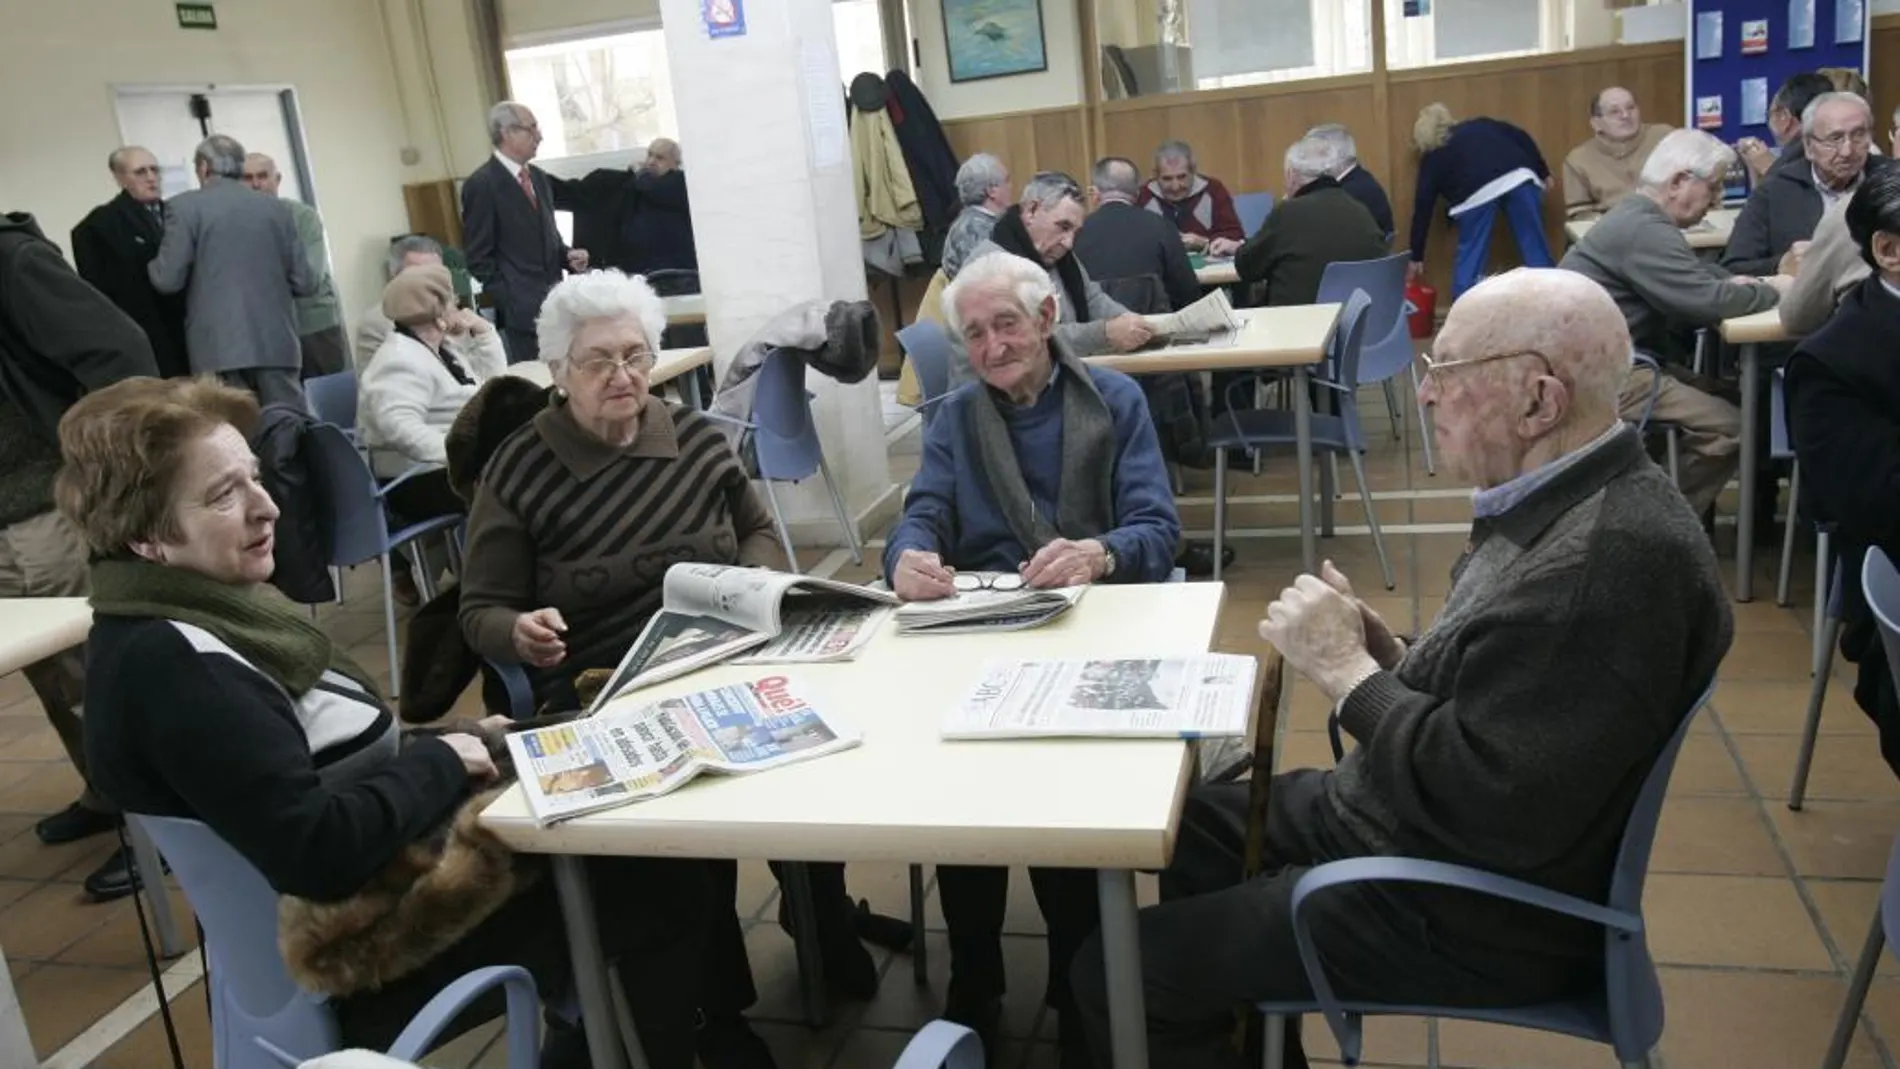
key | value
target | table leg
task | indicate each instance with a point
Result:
(1303, 445)
(795, 884)
(1121, 951)
(1328, 475)
(604, 1049)
(1745, 519)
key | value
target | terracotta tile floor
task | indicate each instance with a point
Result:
(1756, 912)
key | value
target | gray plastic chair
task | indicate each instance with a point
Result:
(942, 1045)
(1252, 210)
(333, 399)
(928, 346)
(260, 1018)
(1781, 447)
(1825, 639)
(1388, 351)
(1627, 1014)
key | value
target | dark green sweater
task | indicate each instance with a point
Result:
(30, 462)
(1319, 225)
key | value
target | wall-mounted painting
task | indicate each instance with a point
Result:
(993, 38)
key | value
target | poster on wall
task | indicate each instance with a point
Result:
(723, 18)
(1754, 101)
(1849, 18)
(1708, 35)
(993, 38)
(1708, 113)
(1800, 23)
(1415, 9)
(1754, 37)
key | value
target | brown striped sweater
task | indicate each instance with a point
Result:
(564, 520)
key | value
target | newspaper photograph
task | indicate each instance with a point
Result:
(1185, 697)
(1212, 314)
(819, 630)
(633, 750)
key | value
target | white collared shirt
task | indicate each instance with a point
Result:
(1829, 196)
(1890, 287)
(514, 169)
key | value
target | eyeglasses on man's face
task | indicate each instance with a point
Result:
(1839, 140)
(1438, 367)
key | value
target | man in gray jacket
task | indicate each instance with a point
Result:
(234, 253)
(1836, 134)
(1638, 254)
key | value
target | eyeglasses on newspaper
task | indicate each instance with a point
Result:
(966, 582)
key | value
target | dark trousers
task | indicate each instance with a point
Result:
(1217, 943)
(424, 497)
(975, 899)
(270, 385)
(325, 352)
(523, 345)
(653, 920)
(726, 986)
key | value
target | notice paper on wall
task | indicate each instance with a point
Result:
(1754, 101)
(1754, 37)
(1850, 18)
(824, 105)
(1800, 24)
(1708, 113)
(1708, 36)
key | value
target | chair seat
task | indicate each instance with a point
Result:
(1585, 1019)
(1254, 428)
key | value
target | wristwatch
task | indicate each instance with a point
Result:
(1108, 562)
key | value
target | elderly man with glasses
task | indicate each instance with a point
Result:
(1584, 619)
(1836, 135)
(1045, 473)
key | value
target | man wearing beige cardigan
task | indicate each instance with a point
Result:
(1604, 169)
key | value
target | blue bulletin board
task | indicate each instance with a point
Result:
(1740, 51)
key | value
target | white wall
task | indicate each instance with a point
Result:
(1058, 87)
(64, 58)
(533, 17)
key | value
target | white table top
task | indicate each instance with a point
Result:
(685, 308)
(33, 629)
(1288, 336)
(1218, 273)
(1712, 233)
(1760, 328)
(905, 794)
(671, 365)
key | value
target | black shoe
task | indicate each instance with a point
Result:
(1197, 559)
(73, 823)
(850, 971)
(728, 1042)
(984, 1016)
(114, 879)
(881, 931)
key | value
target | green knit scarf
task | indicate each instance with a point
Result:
(256, 621)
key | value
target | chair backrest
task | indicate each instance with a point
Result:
(786, 439)
(1780, 441)
(358, 529)
(1890, 900)
(1655, 386)
(1140, 294)
(252, 993)
(1880, 583)
(1349, 338)
(333, 398)
(1388, 347)
(1633, 994)
(1253, 209)
(928, 346)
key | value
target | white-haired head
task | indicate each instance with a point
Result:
(503, 117)
(1337, 135)
(998, 272)
(595, 295)
(1558, 316)
(1308, 159)
(1838, 129)
(979, 176)
(1813, 110)
(1696, 153)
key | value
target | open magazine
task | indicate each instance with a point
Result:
(1209, 695)
(987, 608)
(632, 750)
(1211, 315)
(712, 612)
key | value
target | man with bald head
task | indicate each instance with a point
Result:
(319, 316)
(115, 242)
(1604, 169)
(1585, 618)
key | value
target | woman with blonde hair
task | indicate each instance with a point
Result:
(1477, 165)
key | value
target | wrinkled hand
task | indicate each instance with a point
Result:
(1384, 646)
(1194, 242)
(538, 637)
(1321, 633)
(466, 322)
(474, 755)
(1754, 152)
(1066, 563)
(1791, 260)
(495, 725)
(1781, 283)
(577, 260)
(1222, 247)
(921, 576)
(1126, 333)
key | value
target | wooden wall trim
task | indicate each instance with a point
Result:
(1547, 61)
(1026, 113)
(1243, 92)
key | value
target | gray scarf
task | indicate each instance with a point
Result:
(1085, 505)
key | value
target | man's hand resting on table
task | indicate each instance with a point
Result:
(1126, 333)
(1322, 634)
(921, 576)
(1222, 247)
(1066, 563)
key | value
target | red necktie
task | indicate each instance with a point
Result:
(527, 186)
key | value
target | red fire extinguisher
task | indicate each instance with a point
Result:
(1422, 304)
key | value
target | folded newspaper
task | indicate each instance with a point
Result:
(1211, 315)
(632, 749)
(987, 608)
(1210, 695)
(712, 612)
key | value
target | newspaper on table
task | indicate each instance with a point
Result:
(1208, 695)
(634, 749)
(1211, 315)
(713, 612)
(987, 609)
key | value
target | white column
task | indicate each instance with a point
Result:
(768, 162)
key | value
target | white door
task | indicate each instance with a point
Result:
(263, 120)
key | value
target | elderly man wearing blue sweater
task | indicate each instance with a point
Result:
(1050, 469)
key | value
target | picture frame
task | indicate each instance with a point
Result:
(993, 38)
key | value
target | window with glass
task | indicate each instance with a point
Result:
(1423, 33)
(1172, 46)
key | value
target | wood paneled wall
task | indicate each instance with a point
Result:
(1026, 141)
(1883, 76)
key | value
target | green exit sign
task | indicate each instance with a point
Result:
(197, 17)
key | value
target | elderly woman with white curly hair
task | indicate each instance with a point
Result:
(577, 517)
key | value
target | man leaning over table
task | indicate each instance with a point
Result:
(1050, 469)
(1585, 617)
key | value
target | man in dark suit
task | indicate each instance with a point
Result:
(1318, 223)
(1122, 241)
(112, 246)
(508, 229)
(636, 220)
(1356, 179)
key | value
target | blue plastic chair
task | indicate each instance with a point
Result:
(260, 1018)
(359, 528)
(785, 442)
(1253, 209)
(1627, 1014)
(928, 346)
(333, 399)
(1388, 352)
(1781, 447)
(1240, 428)
(942, 1045)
